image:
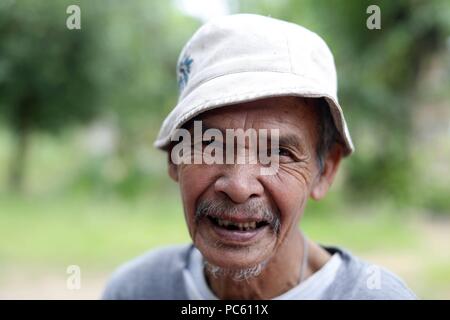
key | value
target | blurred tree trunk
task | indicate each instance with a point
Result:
(21, 137)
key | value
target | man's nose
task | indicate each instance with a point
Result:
(240, 183)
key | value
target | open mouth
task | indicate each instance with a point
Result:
(238, 226)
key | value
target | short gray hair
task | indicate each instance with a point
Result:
(327, 132)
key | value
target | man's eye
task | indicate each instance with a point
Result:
(282, 152)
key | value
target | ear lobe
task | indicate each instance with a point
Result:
(325, 179)
(318, 192)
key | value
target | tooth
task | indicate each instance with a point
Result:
(226, 223)
(253, 225)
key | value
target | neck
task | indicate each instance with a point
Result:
(280, 274)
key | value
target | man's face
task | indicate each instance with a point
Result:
(237, 217)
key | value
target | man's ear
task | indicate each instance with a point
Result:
(172, 167)
(325, 179)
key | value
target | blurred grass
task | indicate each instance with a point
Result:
(85, 231)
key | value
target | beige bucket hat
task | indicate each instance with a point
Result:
(244, 57)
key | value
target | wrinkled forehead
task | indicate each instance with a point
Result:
(283, 113)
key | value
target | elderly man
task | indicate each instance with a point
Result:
(237, 74)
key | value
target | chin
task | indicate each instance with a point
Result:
(235, 257)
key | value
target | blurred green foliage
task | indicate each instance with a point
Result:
(121, 62)
(47, 74)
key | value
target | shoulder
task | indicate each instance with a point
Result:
(361, 280)
(156, 274)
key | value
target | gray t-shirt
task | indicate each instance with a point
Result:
(312, 288)
(161, 274)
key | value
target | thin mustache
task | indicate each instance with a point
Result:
(222, 209)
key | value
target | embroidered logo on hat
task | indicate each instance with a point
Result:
(184, 69)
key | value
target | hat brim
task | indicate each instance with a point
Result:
(244, 87)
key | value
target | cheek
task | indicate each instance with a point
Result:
(194, 181)
(289, 190)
